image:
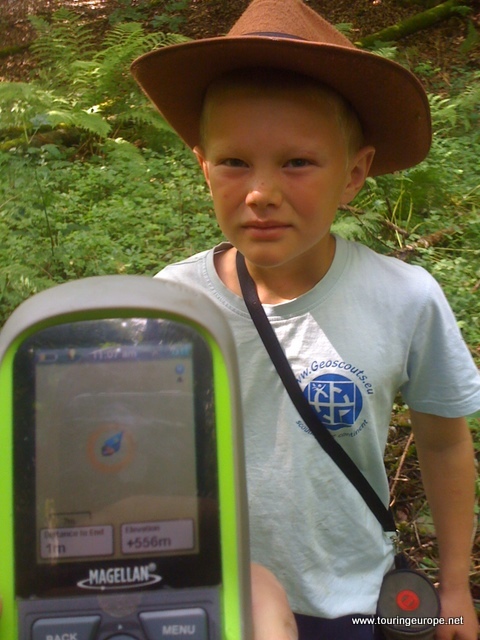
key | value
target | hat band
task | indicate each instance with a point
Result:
(273, 34)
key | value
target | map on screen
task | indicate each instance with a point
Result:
(115, 452)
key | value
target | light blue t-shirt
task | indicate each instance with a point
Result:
(371, 327)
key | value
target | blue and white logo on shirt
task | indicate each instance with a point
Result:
(336, 399)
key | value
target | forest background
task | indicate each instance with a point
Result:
(93, 181)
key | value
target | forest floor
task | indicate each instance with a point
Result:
(435, 54)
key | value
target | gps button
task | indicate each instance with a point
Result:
(177, 624)
(81, 628)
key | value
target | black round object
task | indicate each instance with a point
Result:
(408, 606)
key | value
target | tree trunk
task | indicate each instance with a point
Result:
(416, 23)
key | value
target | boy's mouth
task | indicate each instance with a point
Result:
(270, 229)
(268, 224)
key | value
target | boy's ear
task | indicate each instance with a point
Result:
(200, 155)
(359, 167)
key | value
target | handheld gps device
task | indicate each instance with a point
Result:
(122, 488)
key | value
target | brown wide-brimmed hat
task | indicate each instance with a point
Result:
(286, 34)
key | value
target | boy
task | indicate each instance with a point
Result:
(287, 120)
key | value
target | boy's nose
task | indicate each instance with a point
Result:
(263, 194)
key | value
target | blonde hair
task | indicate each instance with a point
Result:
(264, 80)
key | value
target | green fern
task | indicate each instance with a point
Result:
(346, 28)
(359, 225)
(458, 113)
(144, 114)
(59, 44)
(23, 105)
(29, 107)
(113, 82)
(79, 85)
(90, 122)
(125, 34)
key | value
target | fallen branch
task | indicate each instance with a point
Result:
(416, 23)
(399, 469)
(355, 210)
(361, 212)
(396, 228)
(431, 240)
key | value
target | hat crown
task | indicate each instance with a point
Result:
(289, 18)
(390, 102)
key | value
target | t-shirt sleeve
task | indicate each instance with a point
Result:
(443, 379)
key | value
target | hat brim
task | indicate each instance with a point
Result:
(389, 100)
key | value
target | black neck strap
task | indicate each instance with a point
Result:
(311, 419)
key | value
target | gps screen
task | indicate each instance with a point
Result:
(115, 451)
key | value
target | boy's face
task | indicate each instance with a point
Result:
(278, 167)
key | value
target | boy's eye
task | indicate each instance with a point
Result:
(233, 162)
(298, 163)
